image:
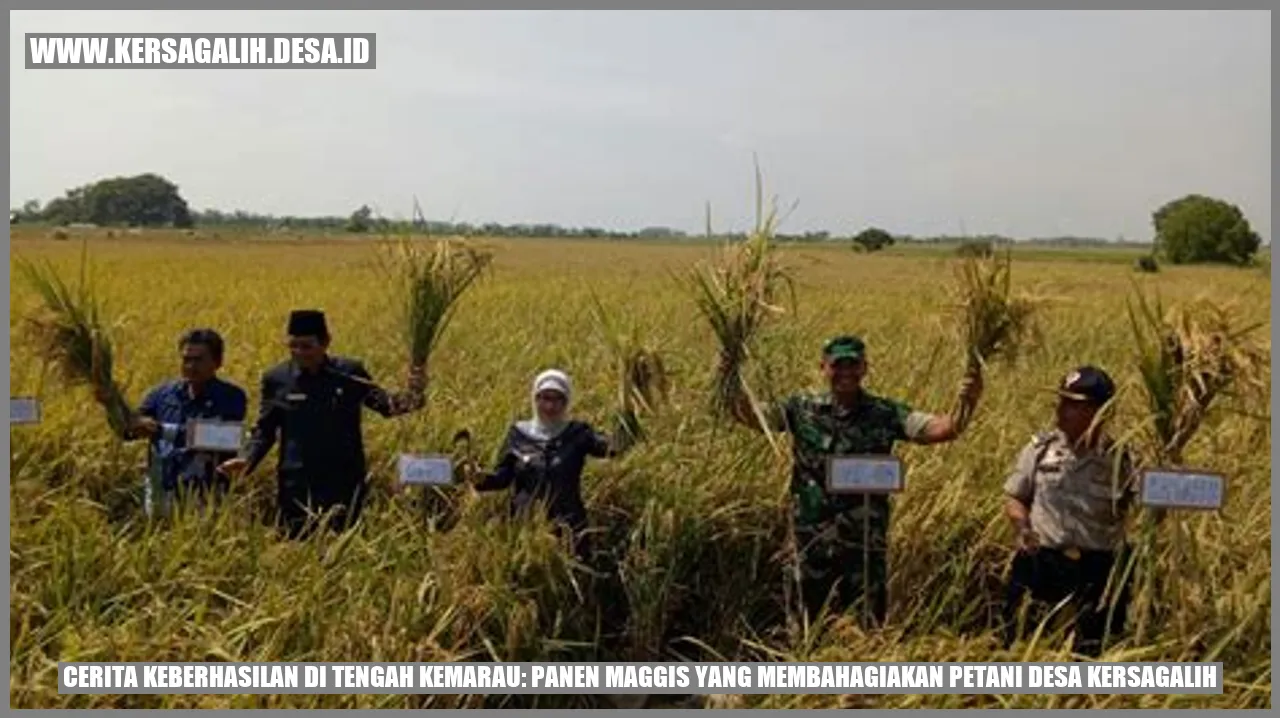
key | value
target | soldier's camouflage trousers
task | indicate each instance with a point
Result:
(842, 561)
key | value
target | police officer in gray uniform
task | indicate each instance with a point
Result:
(1067, 497)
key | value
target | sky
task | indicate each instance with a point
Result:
(1025, 124)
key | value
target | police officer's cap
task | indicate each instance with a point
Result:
(1087, 384)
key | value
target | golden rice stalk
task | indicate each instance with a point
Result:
(1188, 357)
(646, 378)
(738, 293)
(643, 381)
(429, 281)
(70, 330)
(994, 323)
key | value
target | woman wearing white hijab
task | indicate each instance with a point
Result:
(543, 457)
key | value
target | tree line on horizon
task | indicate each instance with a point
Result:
(1191, 229)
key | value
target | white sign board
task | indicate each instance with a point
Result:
(864, 475)
(1179, 489)
(24, 410)
(210, 435)
(426, 470)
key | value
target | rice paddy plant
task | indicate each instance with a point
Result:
(72, 330)
(737, 293)
(995, 323)
(643, 383)
(429, 282)
(694, 521)
(1189, 358)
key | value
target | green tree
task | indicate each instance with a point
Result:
(145, 200)
(361, 220)
(1146, 264)
(975, 248)
(30, 211)
(873, 239)
(1198, 229)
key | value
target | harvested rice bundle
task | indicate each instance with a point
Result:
(70, 330)
(430, 281)
(737, 294)
(1188, 358)
(642, 377)
(994, 324)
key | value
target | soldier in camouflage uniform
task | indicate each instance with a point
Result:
(842, 540)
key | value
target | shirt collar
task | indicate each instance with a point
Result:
(295, 370)
(183, 389)
(1100, 449)
(838, 410)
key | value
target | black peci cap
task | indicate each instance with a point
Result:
(307, 323)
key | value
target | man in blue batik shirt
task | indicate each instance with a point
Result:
(173, 469)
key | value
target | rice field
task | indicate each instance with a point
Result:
(695, 516)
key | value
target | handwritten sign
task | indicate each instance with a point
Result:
(864, 475)
(24, 410)
(209, 435)
(1178, 489)
(426, 470)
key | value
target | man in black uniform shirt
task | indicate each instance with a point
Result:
(313, 404)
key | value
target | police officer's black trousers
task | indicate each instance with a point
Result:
(302, 498)
(1050, 575)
